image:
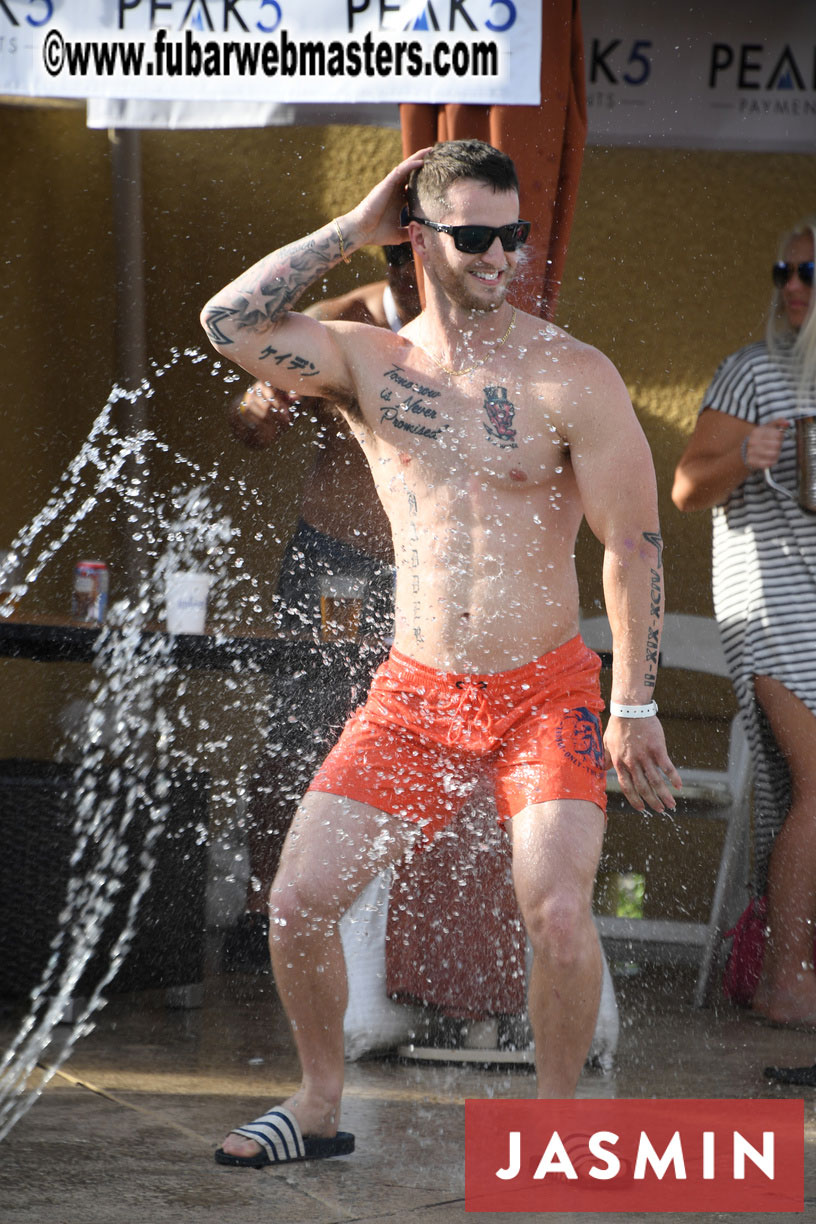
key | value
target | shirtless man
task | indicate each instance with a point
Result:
(489, 435)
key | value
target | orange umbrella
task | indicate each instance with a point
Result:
(546, 143)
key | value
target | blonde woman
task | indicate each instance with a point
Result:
(764, 577)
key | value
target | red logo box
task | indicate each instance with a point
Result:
(608, 1155)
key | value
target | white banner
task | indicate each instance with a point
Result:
(273, 51)
(716, 75)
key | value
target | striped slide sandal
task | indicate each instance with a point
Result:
(279, 1137)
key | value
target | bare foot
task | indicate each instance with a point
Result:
(239, 1145)
(314, 1117)
(793, 1003)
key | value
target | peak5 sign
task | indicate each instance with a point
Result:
(727, 77)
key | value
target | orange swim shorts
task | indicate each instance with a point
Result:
(425, 739)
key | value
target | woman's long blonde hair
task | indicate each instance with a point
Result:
(781, 337)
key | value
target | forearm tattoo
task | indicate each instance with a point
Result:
(272, 287)
(655, 609)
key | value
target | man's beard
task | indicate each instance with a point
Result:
(456, 287)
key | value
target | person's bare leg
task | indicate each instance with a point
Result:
(787, 988)
(270, 812)
(556, 849)
(334, 848)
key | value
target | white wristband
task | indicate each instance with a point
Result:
(633, 711)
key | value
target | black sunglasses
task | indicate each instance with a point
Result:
(781, 272)
(476, 239)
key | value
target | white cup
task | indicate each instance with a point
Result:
(186, 601)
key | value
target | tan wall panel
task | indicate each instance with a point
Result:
(57, 275)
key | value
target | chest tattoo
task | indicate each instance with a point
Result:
(500, 412)
(410, 413)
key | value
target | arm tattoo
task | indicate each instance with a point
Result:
(290, 361)
(214, 317)
(654, 537)
(272, 287)
(655, 609)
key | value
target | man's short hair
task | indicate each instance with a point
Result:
(452, 160)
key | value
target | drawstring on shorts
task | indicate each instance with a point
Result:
(471, 710)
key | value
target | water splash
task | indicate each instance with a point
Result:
(127, 745)
(99, 862)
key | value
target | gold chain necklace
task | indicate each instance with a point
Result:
(469, 370)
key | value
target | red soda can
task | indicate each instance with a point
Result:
(89, 601)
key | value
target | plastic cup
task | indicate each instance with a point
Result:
(186, 601)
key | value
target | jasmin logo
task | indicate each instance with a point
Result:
(635, 1156)
(671, 1162)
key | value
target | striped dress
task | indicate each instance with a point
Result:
(764, 580)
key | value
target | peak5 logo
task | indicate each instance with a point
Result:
(37, 12)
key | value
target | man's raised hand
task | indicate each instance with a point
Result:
(376, 219)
